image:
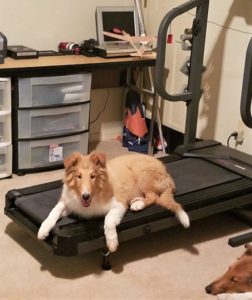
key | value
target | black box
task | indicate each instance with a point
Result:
(20, 52)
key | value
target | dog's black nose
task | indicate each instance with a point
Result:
(208, 289)
(86, 196)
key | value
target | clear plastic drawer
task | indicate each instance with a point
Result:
(54, 90)
(5, 161)
(43, 153)
(5, 127)
(5, 94)
(53, 121)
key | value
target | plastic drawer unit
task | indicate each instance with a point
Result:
(51, 120)
(55, 121)
(5, 161)
(54, 90)
(5, 94)
(5, 128)
(49, 152)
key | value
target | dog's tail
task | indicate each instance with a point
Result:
(167, 200)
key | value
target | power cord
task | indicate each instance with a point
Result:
(103, 109)
(223, 26)
(234, 135)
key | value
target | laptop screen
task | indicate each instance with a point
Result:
(114, 19)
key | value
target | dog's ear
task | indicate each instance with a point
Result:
(72, 160)
(98, 158)
(248, 248)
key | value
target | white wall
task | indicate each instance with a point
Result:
(110, 121)
(43, 24)
(224, 59)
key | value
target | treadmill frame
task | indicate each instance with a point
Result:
(66, 240)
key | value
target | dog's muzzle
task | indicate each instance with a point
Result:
(86, 199)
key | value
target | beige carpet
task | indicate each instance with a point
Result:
(174, 264)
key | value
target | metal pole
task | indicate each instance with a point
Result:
(155, 112)
(140, 16)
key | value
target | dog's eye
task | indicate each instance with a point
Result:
(92, 176)
(78, 176)
(233, 279)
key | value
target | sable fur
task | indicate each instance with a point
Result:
(95, 187)
(238, 277)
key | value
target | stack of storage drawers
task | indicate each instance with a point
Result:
(51, 120)
(5, 128)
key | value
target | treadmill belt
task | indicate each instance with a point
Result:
(190, 175)
(193, 174)
(38, 205)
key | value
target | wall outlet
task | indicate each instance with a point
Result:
(240, 137)
(241, 128)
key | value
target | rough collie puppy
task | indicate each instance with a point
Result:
(237, 279)
(94, 187)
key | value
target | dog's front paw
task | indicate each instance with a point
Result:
(137, 204)
(112, 244)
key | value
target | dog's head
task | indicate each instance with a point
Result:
(85, 175)
(237, 279)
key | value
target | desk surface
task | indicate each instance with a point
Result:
(11, 66)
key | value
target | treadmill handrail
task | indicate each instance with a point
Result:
(161, 49)
(246, 97)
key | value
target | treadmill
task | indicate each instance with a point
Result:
(210, 178)
(246, 102)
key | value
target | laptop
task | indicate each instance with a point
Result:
(115, 19)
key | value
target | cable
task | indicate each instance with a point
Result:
(234, 134)
(105, 105)
(223, 26)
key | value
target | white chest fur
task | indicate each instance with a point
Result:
(73, 204)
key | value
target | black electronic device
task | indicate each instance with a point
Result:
(3, 47)
(49, 53)
(20, 52)
(87, 48)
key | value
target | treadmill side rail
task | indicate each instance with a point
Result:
(228, 158)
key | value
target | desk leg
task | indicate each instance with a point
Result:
(152, 123)
(128, 77)
(157, 118)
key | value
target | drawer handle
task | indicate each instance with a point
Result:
(4, 112)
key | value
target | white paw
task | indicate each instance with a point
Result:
(138, 204)
(183, 218)
(44, 231)
(112, 244)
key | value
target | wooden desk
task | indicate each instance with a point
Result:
(61, 65)
(70, 63)
(105, 74)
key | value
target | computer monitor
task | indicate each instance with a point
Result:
(121, 17)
